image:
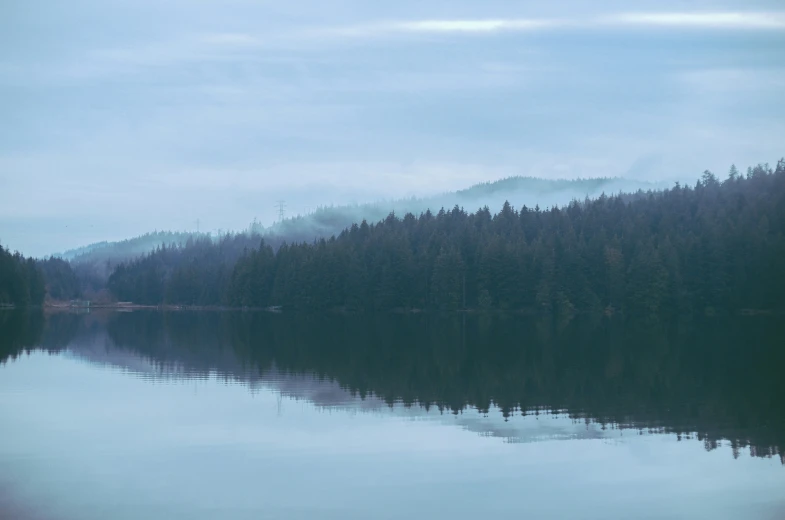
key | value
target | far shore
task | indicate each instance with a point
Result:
(82, 306)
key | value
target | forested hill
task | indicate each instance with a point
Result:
(95, 262)
(331, 220)
(125, 249)
(198, 272)
(713, 247)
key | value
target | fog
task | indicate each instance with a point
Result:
(123, 119)
(327, 221)
(518, 191)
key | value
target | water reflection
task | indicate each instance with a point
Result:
(717, 380)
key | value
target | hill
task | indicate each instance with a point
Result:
(95, 262)
(716, 247)
(531, 191)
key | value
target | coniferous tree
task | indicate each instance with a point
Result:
(714, 247)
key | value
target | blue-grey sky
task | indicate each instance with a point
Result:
(125, 116)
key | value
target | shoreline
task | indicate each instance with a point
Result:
(128, 307)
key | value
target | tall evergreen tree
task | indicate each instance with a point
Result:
(713, 247)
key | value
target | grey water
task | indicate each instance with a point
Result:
(254, 415)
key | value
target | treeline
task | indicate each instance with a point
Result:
(716, 246)
(94, 263)
(100, 252)
(62, 282)
(21, 281)
(327, 221)
(26, 281)
(196, 273)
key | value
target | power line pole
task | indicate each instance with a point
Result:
(281, 210)
(197, 226)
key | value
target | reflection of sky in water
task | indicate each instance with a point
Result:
(328, 395)
(85, 441)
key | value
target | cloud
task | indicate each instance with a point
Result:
(436, 26)
(246, 46)
(473, 26)
(720, 20)
(697, 20)
(238, 39)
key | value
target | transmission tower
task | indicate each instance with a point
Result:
(281, 209)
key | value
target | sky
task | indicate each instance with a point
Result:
(127, 116)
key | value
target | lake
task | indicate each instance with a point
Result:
(204, 415)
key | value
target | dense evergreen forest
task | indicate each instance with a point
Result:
(62, 282)
(21, 281)
(198, 272)
(713, 247)
(327, 221)
(95, 262)
(26, 281)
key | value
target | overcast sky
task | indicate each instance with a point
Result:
(125, 116)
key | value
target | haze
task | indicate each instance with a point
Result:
(124, 117)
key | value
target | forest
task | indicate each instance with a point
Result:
(327, 221)
(713, 247)
(95, 262)
(28, 282)
(21, 280)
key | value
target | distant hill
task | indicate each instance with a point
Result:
(95, 262)
(518, 191)
(129, 248)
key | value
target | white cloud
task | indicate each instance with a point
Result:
(724, 20)
(470, 26)
(437, 26)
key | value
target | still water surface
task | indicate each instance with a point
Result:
(232, 415)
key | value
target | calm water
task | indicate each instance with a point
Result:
(244, 415)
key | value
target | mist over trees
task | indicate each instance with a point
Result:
(84, 271)
(125, 249)
(327, 221)
(62, 283)
(197, 272)
(94, 263)
(712, 247)
(715, 246)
